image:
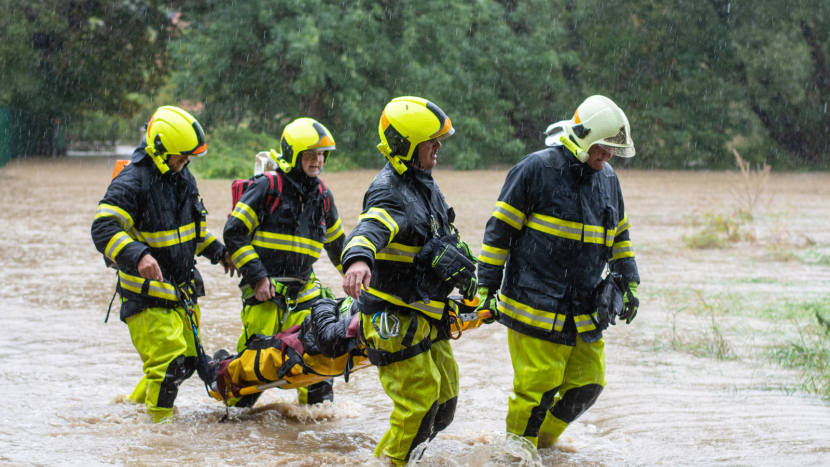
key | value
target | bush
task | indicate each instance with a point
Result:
(232, 151)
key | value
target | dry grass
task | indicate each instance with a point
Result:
(748, 193)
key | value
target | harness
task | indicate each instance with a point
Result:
(238, 187)
(457, 315)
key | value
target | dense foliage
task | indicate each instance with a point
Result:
(61, 58)
(697, 79)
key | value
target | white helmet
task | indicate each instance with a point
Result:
(598, 120)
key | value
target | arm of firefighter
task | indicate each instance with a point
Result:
(239, 231)
(335, 236)
(383, 217)
(622, 261)
(210, 248)
(505, 225)
(113, 229)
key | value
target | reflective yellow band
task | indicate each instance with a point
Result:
(360, 240)
(165, 238)
(623, 250)
(116, 244)
(123, 218)
(555, 226)
(594, 234)
(398, 252)
(241, 256)
(509, 215)
(623, 225)
(290, 243)
(492, 255)
(334, 231)
(156, 289)
(384, 218)
(584, 323)
(209, 238)
(340, 268)
(247, 215)
(434, 309)
(609, 236)
(313, 289)
(528, 315)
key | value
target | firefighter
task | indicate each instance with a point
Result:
(402, 261)
(559, 221)
(151, 224)
(275, 250)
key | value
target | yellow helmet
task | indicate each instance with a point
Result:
(598, 120)
(171, 132)
(407, 122)
(300, 135)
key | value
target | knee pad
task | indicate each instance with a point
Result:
(177, 371)
(444, 416)
(575, 402)
(322, 391)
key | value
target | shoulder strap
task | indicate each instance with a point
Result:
(274, 196)
(326, 199)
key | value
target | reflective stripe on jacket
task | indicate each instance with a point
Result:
(400, 214)
(287, 242)
(555, 227)
(144, 212)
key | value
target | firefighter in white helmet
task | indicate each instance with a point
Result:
(560, 220)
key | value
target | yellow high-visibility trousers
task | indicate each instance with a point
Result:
(423, 388)
(164, 340)
(553, 384)
(267, 318)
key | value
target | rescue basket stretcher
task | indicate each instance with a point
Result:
(326, 345)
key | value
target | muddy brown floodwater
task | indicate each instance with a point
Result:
(64, 373)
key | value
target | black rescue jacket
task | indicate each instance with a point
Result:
(145, 212)
(287, 242)
(400, 214)
(555, 227)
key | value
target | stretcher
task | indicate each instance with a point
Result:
(326, 345)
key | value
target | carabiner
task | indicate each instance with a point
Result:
(385, 331)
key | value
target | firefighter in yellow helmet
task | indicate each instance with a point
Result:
(402, 261)
(151, 225)
(560, 220)
(275, 249)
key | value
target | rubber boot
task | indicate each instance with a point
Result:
(139, 394)
(552, 429)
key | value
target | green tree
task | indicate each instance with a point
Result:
(494, 67)
(61, 58)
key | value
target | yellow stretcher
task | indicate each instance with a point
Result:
(273, 362)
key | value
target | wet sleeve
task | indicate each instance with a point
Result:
(384, 215)
(505, 224)
(210, 247)
(335, 236)
(113, 229)
(622, 260)
(239, 231)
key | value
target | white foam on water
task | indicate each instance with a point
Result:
(304, 413)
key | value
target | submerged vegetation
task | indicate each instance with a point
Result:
(796, 334)
(809, 352)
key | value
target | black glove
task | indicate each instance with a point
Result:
(450, 265)
(609, 301)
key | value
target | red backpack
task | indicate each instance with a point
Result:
(239, 186)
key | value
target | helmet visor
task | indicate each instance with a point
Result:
(618, 151)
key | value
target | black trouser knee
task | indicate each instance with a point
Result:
(177, 372)
(575, 402)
